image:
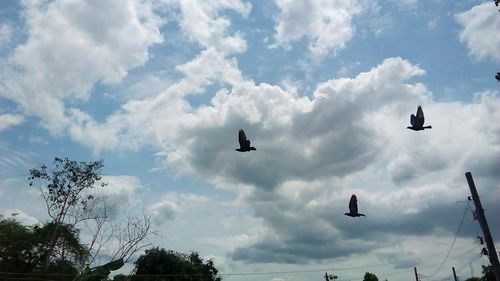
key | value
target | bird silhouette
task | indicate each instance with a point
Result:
(244, 142)
(417, 122)
(498, 74)
(353, 208)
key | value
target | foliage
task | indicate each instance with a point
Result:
(16, 243)
(99, 273)
(24, 250)
(64, 186)
(68, 189)
(173, 266)
(370, 277)
(488, 274)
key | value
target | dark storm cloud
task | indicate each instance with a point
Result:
(298, 234)
(420, 160)
(279, 157)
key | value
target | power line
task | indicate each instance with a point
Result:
(452, 244)
(265, 273)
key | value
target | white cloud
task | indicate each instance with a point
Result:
(172, 203)
(297, 177)
(326, 24)
(120, 194)
(8, 120)
(480, 31)
(65, 54)
(201, 21)
(19, 216)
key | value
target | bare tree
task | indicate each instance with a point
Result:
(130, 233)
(123, 236)
(72, 195)
(63, 188)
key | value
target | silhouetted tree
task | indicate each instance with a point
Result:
(69, 192)
(370, 277)
(64, 188)
(173, 266)
(488, 274)
(23, 250)
(101, 272)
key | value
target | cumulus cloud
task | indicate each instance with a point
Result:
(295, 133)
(119, 195)
(172, 203)
(326, 24)
(480, 31)
(201, 21)
(65, 54)
(313, 152)
(304, 220)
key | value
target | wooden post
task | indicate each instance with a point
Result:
(492, 253)
(416, 274)
(454, 274)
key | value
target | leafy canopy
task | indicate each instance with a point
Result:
(173, 266)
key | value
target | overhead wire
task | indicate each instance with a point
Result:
(3, 274)
(251, 273)
(452, 244)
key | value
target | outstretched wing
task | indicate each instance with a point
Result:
(353, 205)
(242, 138)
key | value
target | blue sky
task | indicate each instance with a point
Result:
(323, 89)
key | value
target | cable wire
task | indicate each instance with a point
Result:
(452, 244)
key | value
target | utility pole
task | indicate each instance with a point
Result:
(492, 253)
(416, 274)
(454, 274)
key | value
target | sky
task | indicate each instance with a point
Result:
(323, 89)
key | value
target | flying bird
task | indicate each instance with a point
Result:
(498, 74)
(353, 208)
(244, 142)
(417, 122)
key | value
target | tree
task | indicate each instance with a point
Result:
(16, 247)
(370, 277)
(99, 273)
(173, 266)
(488, 274)
(23, 250)
(64, 189)
(69, 190)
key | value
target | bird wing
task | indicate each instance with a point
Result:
(413, 120)
(242, 138)
(420, 112)
(420, 116)
(353, 205)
